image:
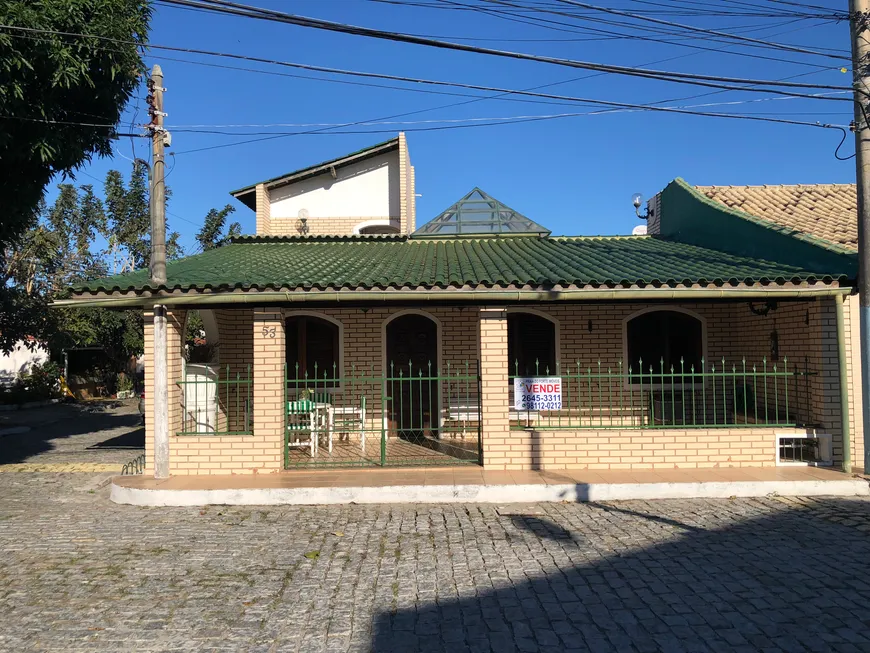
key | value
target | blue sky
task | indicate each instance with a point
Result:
(574, 175)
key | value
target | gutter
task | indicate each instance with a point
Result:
(457, 296)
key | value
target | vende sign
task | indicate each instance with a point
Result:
(538, 393)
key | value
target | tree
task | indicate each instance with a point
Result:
(57, 251)
(128, 225)
(211, 235)
(52, 254)
(61, 95)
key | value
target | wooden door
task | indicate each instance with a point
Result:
(412, 361)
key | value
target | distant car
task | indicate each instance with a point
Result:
(142, 406)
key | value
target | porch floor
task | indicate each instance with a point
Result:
(399, 452)
(475, 484)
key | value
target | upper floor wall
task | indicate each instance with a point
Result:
(370, 191)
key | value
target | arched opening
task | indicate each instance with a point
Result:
(201, 337)
(383, 229)
(412, 364)
(531, 345)
(313, 349)
(376, 227)
(664, 339)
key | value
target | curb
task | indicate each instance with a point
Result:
(29, 404)
(428, 494)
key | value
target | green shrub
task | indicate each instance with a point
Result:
(41, 382)
(124, 383)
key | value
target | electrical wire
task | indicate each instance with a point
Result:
(273, 135)
(840, 144)
(675, 77)
(682, 34)
(195, 127)
(756, 86)
(561, 26)
(673, 42)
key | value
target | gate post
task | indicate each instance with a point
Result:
(269, 406)
(494, 408)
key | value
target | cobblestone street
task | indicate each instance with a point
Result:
(93, 436)
(79, 573)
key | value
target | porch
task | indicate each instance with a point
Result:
(732, 384)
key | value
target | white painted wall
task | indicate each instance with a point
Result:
(367, 189)
(20, 360)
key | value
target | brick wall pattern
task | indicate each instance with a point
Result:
(806, 334)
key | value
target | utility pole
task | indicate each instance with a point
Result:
(157, 205)
(859, 21)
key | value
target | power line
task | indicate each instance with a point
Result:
(755, 85)
(618, 35)
(735, 37)
(195, 127)
(754, 118)
(301, 21)
(561, 26)
(572, 27)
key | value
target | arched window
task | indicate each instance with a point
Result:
(382, 229)
(313, 346)
(531, 345)
(669, 336)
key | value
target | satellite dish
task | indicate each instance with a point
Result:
(639, 230)
(637, 200)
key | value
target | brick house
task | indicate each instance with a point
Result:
(348, 336)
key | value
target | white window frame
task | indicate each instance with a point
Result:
(826, 451)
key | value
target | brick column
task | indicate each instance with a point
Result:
(148, 363)
(269, 387)
(827, 396)
(495, 411)
(175, 323)
(264, 211)
(853, 350)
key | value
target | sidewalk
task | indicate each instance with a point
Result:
(477, 485)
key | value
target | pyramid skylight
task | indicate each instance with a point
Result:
(479, 214)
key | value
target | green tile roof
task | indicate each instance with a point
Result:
(321, 262)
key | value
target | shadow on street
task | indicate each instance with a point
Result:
(92, 425)
(750, 587)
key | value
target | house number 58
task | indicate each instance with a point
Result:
(268, 332)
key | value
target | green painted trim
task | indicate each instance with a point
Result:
(220, 434)
(688, 216)
(451, 296)
(764, 222)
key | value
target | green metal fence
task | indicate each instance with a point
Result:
(216, 401)
(412, 415)
(713, 395)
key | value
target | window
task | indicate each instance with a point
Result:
(531, 345)
(313, 345)
(379, 229)
(667, 336)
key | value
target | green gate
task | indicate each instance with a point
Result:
(403, 416)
